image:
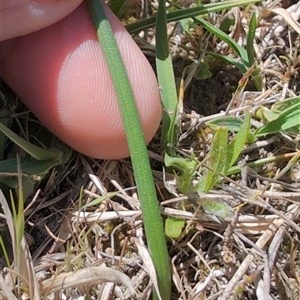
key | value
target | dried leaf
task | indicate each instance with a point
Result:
(287, 17)
(90, 275)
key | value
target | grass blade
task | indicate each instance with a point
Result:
(188, 13)
(250, 39)
(35, 151)
(241, 52)
(138, 151)
(166, 79)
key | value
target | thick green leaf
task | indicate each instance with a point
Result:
(180, 163)
(29, 166)
(280, 106)
(287, 119)
(35, 151)
(28, 184)
(217, 208)
(231, 123)
(217, 158)
(235, 147)
(256, 73)
(227, 24)
(187, 169)
(173, 227)
(268, 114)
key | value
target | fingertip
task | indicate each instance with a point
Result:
(61, 74)
(19, 17)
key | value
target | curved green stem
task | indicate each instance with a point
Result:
(138, 151)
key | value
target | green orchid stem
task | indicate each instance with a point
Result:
(138, 151)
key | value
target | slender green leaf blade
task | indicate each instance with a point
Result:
(118, 7)
(230, 60)
(5, 119)
(250, 39)
(226, 38)
(166, 80)
(187, 13)
(35, 151)
(138, 151)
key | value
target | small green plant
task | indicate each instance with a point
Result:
(23, 271)
(219, 160)
(223, 155)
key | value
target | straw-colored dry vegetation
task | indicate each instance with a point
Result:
(83, 224)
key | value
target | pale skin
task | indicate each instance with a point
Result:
(61, 75)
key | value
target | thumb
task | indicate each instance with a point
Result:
(62, 76)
